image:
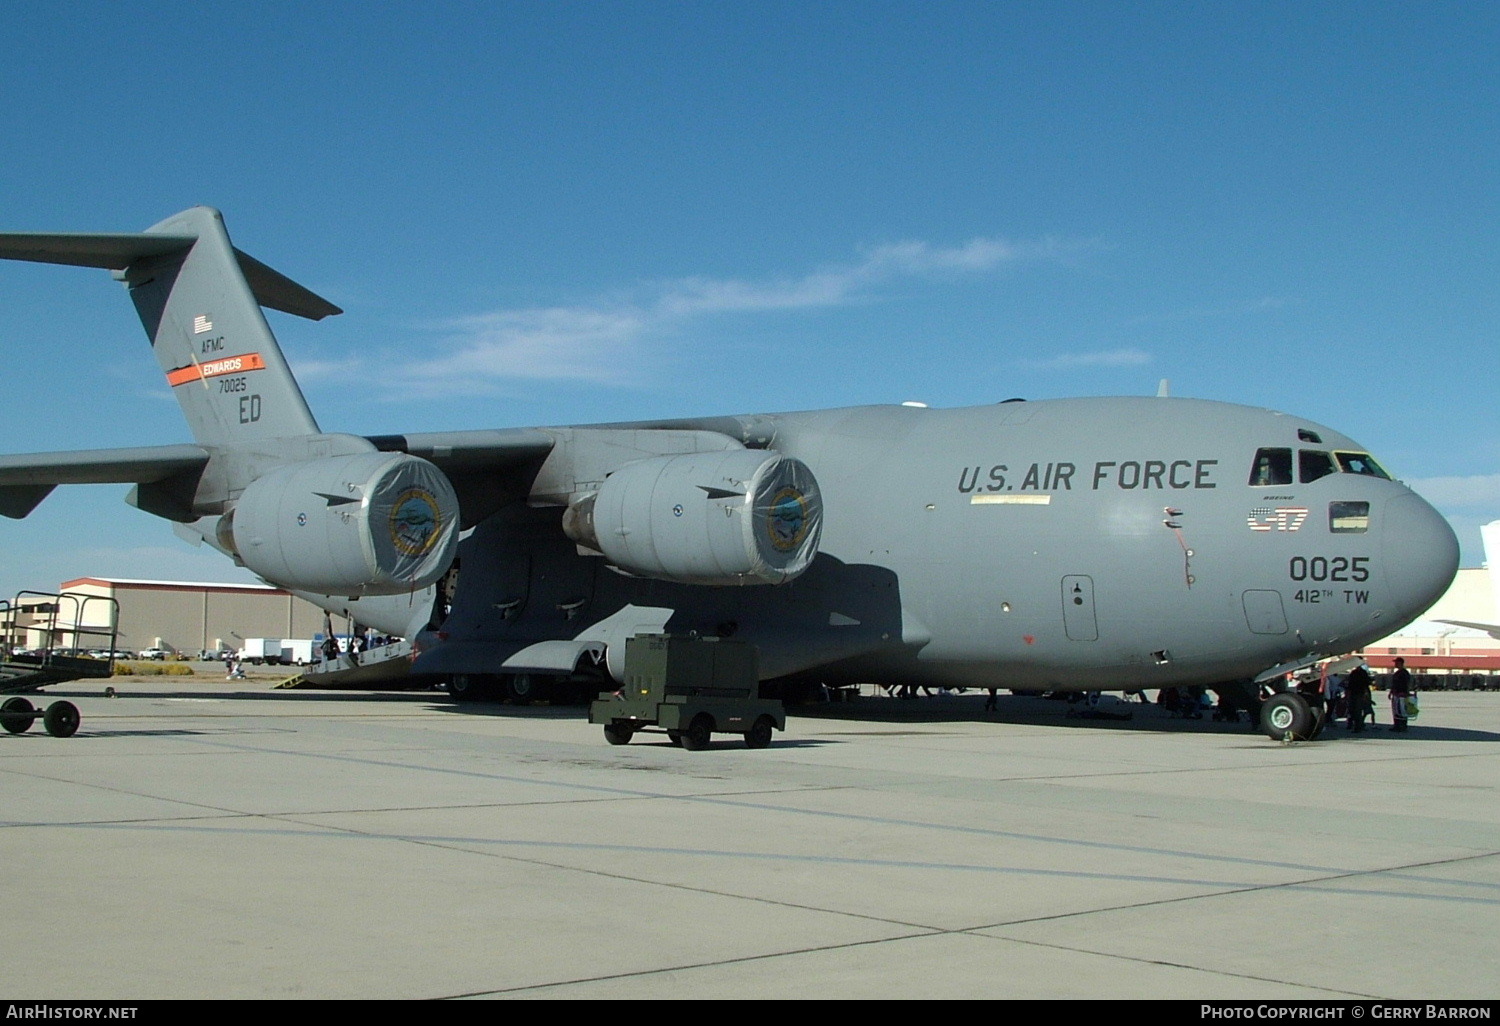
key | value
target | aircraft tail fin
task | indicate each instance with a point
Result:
(200, 301)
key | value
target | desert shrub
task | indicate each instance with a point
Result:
(152, 668)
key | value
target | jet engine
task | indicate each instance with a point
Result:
(367, 524)
(739, 516)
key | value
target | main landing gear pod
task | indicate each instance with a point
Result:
(60, 720)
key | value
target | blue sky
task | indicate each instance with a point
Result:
(547, 213)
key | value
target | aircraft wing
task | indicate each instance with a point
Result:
(487, 469)
(1492, 629)
(547, 466)
(458, 451)
(28, 478)
(470, 458)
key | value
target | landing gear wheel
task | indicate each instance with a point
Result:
(697, 736)
(1320, 719)
(759, 734)
(471, 687)
(675, 737)
(525, 688)
(617, 735)
(17, 715)
(61, 719)
(1287, 717)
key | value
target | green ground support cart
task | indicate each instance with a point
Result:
(692, 688)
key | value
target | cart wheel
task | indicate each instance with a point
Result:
(617, 735)
(61, 719)
(675, 736)
(17, 715)
(697, 736)
(759, 735)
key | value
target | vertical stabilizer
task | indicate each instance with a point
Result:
(211, 338)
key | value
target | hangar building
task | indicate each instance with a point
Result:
(187, 618)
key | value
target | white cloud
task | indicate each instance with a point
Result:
(606, 342)
(1474, 490)
(554, 343)
(1231, 310)
(326, 370)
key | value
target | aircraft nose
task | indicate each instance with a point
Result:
(1420, 554)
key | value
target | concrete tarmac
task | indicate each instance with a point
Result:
(208, 839)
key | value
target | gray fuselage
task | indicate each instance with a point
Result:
(1073, 544)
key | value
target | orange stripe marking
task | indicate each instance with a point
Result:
(214, 368)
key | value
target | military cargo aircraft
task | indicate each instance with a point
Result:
(1075, 544)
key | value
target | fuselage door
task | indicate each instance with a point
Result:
(1264, 612)
(1078, 608)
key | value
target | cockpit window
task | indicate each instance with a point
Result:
(1313, 464)
(1361, 463)
(1271, 467)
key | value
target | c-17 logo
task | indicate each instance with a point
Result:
(1282, 518)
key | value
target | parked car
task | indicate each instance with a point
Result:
(154, 653)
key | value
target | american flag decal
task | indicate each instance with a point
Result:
(1282, 518)
(201, 323)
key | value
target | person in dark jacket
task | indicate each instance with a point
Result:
(1401, 689)
(1357, 688)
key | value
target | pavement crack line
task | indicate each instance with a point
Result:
(976, 931)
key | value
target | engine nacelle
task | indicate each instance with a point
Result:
(374, 523)
(740, 516)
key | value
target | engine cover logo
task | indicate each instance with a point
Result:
(415, 519)
(787, 523)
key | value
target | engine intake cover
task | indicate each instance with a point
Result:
(740, 516)
(367, 524)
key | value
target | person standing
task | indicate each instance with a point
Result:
(1357, 687)
(1401, 689)
(1333, 697)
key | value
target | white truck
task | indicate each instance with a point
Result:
(277, 651)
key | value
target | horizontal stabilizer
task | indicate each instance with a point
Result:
(113, 252)
(277, 291)
(118, 251)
